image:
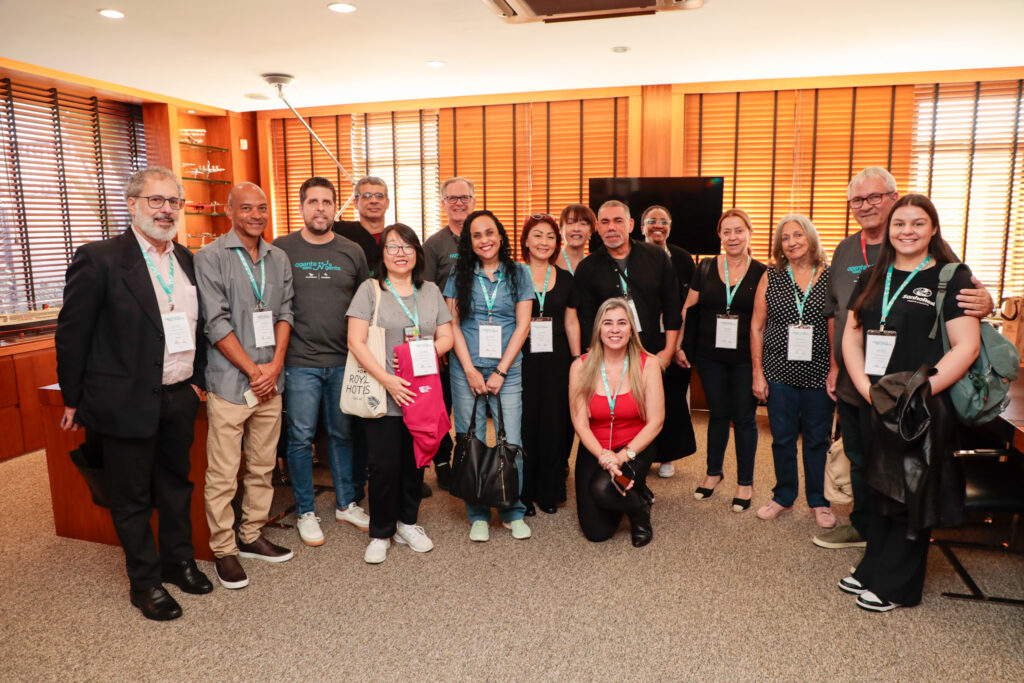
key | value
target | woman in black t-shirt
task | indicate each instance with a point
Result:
(717, 335)
(898, 295)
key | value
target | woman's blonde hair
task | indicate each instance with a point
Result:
(813, 243)
(587, 387)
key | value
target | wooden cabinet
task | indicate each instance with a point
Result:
(23, 369)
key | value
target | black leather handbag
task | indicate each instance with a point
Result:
(485, 475)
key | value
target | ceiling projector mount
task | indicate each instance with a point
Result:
(279, 81)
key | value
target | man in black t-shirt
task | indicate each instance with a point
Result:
(372, 202)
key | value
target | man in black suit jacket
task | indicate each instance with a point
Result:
(130, 366)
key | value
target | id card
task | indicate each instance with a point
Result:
(250, 399)
(801, 342)
(263, 328)
(490, 340)
(424, 358)
(410, 333)
(636, 316)
(177, 332)
(878, 348)
(727, 329)
(541, 335)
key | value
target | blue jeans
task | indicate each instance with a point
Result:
(511, 393)
(728, 388)
(311, 394)
(793, 412)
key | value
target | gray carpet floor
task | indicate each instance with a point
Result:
(715, 596)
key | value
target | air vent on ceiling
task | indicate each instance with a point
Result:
(525, 11)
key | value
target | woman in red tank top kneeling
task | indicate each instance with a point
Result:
(618, 408)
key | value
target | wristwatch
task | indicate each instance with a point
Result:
(631, 454)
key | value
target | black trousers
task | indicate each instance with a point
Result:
(599, 506)
(142, 474)
(444, 451)
(396, 484)
(893, 567)
(855, 425)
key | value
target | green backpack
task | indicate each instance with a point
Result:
(981, 394)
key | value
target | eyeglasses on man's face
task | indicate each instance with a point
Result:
(874, 199)
(156, 201)
(458, 198)
(394, 249)
(373, 195)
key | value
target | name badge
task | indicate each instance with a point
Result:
(878, 348)
(541, 335)
(424, 358)
(490, 341)
(177, 333)
(727, 329)
(801, 342)
(636, 316)
(263, 328)
(410, 333)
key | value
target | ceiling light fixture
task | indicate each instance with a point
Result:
(621, 49)
(436, 63)
(255, 96)
(341, 7)
(190, 111)
(111, 13)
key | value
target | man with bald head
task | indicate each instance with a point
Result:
(245, 285)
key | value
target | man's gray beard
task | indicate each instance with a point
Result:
(148, 227)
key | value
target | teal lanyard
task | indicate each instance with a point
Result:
(730, 292)
(415, 304)
(168, 288)
(490, 298)
(567, 264)
(622, 281)
(887, 303)
(541, 295)
(248, 271)
(608, 392)
(801, 302)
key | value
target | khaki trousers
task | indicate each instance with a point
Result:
(231, 426)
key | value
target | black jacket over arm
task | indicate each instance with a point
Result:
(652, 286)
(110, 339)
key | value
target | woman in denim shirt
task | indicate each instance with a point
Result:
(490, 298)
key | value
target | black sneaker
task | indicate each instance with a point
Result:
(871, 602)
(852, 586)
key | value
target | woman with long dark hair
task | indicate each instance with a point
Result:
(489, 296)
(618, 408)
(554, 342)
(893, 312)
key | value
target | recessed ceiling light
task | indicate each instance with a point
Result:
(436, 63)
(111, 13)
(620, 49)
(190, 111)
(256, 96)
(341, 7)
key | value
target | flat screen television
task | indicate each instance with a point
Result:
(694, 203)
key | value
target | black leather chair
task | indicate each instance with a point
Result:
(995, 487)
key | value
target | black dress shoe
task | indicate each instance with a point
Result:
(640, 527)
(186, 576)
(548, 509)
(156, 603)
(531, 511)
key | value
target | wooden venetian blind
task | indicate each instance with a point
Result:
(795, 150)
(63, 162)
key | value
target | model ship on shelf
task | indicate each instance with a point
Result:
(204, 170)
(25, 324)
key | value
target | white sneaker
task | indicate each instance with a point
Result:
(377, 551)
(666, 470)
(479, 532)
(354, 515)
(519, 529)
(308, 525)
(413, 536)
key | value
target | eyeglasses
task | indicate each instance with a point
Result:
(394, 249)
(664, 222)
(458, 198)
(373, 195)
(155, 201)
(874, 199)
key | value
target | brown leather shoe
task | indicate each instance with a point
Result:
(262, 549)
(230, 572)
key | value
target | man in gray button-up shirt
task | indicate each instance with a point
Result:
(245, 286)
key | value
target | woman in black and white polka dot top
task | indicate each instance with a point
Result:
(790, 354)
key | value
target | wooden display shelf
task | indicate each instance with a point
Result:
(209, 148)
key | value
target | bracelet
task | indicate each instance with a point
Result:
(499, 373)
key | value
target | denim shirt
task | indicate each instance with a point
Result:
(504, 312)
